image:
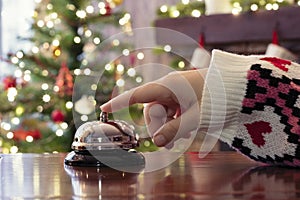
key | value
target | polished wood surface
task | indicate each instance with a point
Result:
(221, 175)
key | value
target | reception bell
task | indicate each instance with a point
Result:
(106, 142)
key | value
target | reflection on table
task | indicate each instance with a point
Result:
(220, 175)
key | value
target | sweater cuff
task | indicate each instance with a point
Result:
(223, 93)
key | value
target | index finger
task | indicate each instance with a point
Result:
(147, 93)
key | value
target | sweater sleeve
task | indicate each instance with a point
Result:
(253, 104)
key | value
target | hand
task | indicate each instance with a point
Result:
(172, 104)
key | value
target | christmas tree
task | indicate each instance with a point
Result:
(38, 100)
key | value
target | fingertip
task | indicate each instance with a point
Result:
(159, 140)
(106, 107)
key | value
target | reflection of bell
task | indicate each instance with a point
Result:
(94, 182)
(105, 143)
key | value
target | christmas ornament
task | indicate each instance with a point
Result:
(108, 9)
(9, 82)
(105, 143)
(21, 134)
(84, 106)
(275, 50)
(57, 116)
(117, 2)
(64, 81)
(201, 57)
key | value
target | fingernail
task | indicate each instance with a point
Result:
(159, 140)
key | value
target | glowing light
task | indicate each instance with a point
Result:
(120, 68)
(57, 52)
(175, 13)
(35, 49)
(77, 39)
(101, 4)
(56, 88)
(163, 8)
(77, 72)
(15, 120)
(88, 33)
(275, 6)
(96, 40)
(167, 48)
(19, 110)
(18, 73)
(93, 87)
(27, 77)
(6, 126)
(269, 6)
(81, 14)
(45, 72)
(29, 138)
(11, 94)
(50, 24)
(138, 79)
(19, 54)
(40, 23)
(45, 86)
(89, 9)
(181, 64)
(254, 7)
(64, 125)
(14, 149)
(46, 98)
(140, 56)
(39, 108)
(84, 118)
(14, 60)
(108, 67)
(131, 72)
(116, 42)
(87, 71)
(120, 82)
(10, 135)
(59, 132)
(126, 52)
(55, 43)
(69, 105)
(185, 2)
(196, 13)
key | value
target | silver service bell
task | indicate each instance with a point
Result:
(105, 143)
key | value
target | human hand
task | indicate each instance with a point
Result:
(172, 104)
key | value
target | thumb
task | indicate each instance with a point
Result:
(178, 127)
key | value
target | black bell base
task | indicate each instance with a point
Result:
(106, 158)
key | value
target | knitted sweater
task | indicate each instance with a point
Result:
(253, 104)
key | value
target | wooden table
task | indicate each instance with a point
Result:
(222, 175)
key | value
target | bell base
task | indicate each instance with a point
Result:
(105, 158)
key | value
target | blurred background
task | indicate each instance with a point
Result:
(46, 45)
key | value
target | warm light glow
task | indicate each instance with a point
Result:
(96, 40)
(126, 52)
(29, 138)
(15, 120)
(181, 64)
(120, 68)
(59, 132)
(196, 13)
(14, 149)
(120, 82)
(167, 48)
(163, 8)
(45, 86)
(77, 39)
(131, 72)
(140, 56)
(69, 105)
(46, 98)
(89, 9)
(10, 135)
(81, 14)
(254, 7)
(84, 118)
